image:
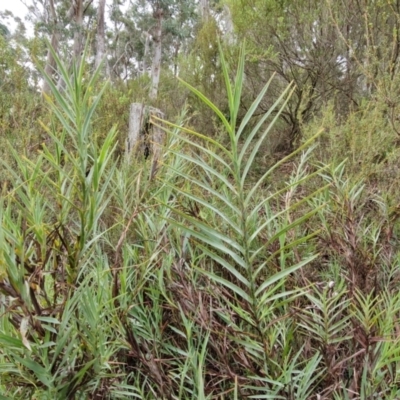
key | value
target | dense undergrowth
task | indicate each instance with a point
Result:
(206, 281)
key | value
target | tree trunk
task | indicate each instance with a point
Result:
(100, 36)
(146, 52)
(49, 69)
(75, 13)
(144, 138)
(78, 34)
(156, 65)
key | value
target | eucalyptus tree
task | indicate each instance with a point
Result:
(100, 35)
(170, 25)
(148, 33)
(62, 22)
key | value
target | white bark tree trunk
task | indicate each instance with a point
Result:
(100, 37)
(144, 138)
(74, 13)
(49, 69)
(147, 38)
(78, 34)
(156, 64)
(136, 118)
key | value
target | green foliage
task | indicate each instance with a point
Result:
(50, 221)
(18, 106)
(206, 280)
(364, 138)
(4, 30)
(201, 70)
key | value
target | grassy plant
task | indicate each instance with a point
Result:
(247, 242)
(204, 283)
(50, 223)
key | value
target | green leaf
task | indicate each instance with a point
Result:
(209, 103)
(256, 146)
(41, 373)
(282, 274)
(235, 288)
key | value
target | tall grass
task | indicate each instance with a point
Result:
(195, 284)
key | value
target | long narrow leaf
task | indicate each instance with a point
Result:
(257, 145)
(276, 165)
(282, 274)
(206, 101)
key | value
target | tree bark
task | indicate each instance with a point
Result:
(49, 69)
(100, 36)
(144, 138)
(75, 13)
(78, 34)
(147, 37)
(156, 64)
